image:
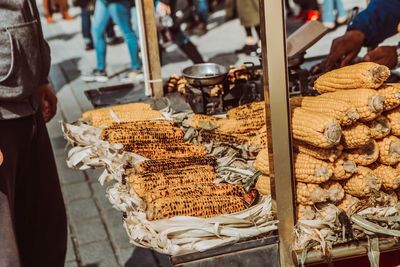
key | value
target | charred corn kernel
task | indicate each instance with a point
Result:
(342, 111)
(335, 191)
(364, 155)
(162, 165)
(379, 127)
(308, 194)
(199, 121)
(348, 203)
(394, 119)
(343, 168)
(330, 154)
(146, 182)
(263, 185)
(311, 170)
(214, 136)
(391, 93)
(259, 140)
(237, 126)
(389, 150)
(305, 212)
(363, 183)
(369, 103)
(194, 190)
(262, 162)
(166, 150)
(251, 110)
(389, 176)
(127, 107)
(356, 135)
(204, 206)
(361, 75)
(315, 129)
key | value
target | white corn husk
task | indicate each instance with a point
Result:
(183, 234)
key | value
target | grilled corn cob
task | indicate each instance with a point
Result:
(364, 155)
(363, 183)
(214, 136)
(204, 206)
(335, 191)
(138, 126)
(194, 190)
(308, 194)
(348, 203)
(394, 119)
(379, 127)
(126, 107)
(251, 110)
(356, 135)
(315, 129)
(199, 121)
(166, 150)
(330, 154)
(343, 168)
(369, 103)
(262, 162)
(263, 185)
(305, 212)
(235, 126)
(389, 176)
(112, 117)
(162, 165)
(342, 111)
(391, 93)
(132, 136)
(146, 182)
(361, 75)
(259, 140)
(311, 170)
(389, 150)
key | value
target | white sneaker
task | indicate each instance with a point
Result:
(329, 25)
(133, 77)
(95, 76)
(342, 20)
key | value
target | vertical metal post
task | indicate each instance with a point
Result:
(278, 121)
(149, 46)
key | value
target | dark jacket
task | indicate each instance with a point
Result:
(24, 58)
(379, 21)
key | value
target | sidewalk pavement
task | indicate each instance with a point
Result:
(96, 235)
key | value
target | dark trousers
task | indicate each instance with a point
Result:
(33, 226)
(87, 26)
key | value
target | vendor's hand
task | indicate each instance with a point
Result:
(47, 101)
(344, 49)
(384, 55)
(163, 9)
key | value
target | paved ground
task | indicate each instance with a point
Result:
(96, 235)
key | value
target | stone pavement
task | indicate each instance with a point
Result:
(96, 236)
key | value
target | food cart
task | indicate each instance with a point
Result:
(276, 247)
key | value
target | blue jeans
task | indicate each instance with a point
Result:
(202, 9)
(329, 7)
(121, 15)
(87, 25)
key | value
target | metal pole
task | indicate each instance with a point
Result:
(278, 121)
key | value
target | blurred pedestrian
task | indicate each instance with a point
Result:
(202, 9)
(50, 5)
(329, 17)
(120, 12)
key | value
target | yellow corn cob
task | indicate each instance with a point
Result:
(124, 116)
(311, 170)
(262, 162)
(361, 75)
(144, 183)
(166, 150)
(343, 168)
(162, 165)
(330, 154)
(391, 93)
(364, 155)
(348, 203)
(305, 212)
(214, 136)
(308, 194)
(342, 111)
(263, 185)
(204, 206)
(363, 183)
(259, 140)
(394, 119)
(127, 107)
(379, 127)
(390, 177)
(389, 150)
(229, 126)
(356, 135)
(198, 121)
(194, 190)
(369, 103)
(335, 191)
(315, 129)
(251, 110)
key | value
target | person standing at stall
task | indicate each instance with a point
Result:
(328, 13)
(372, 26)
(33, 225)
(48, 7)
